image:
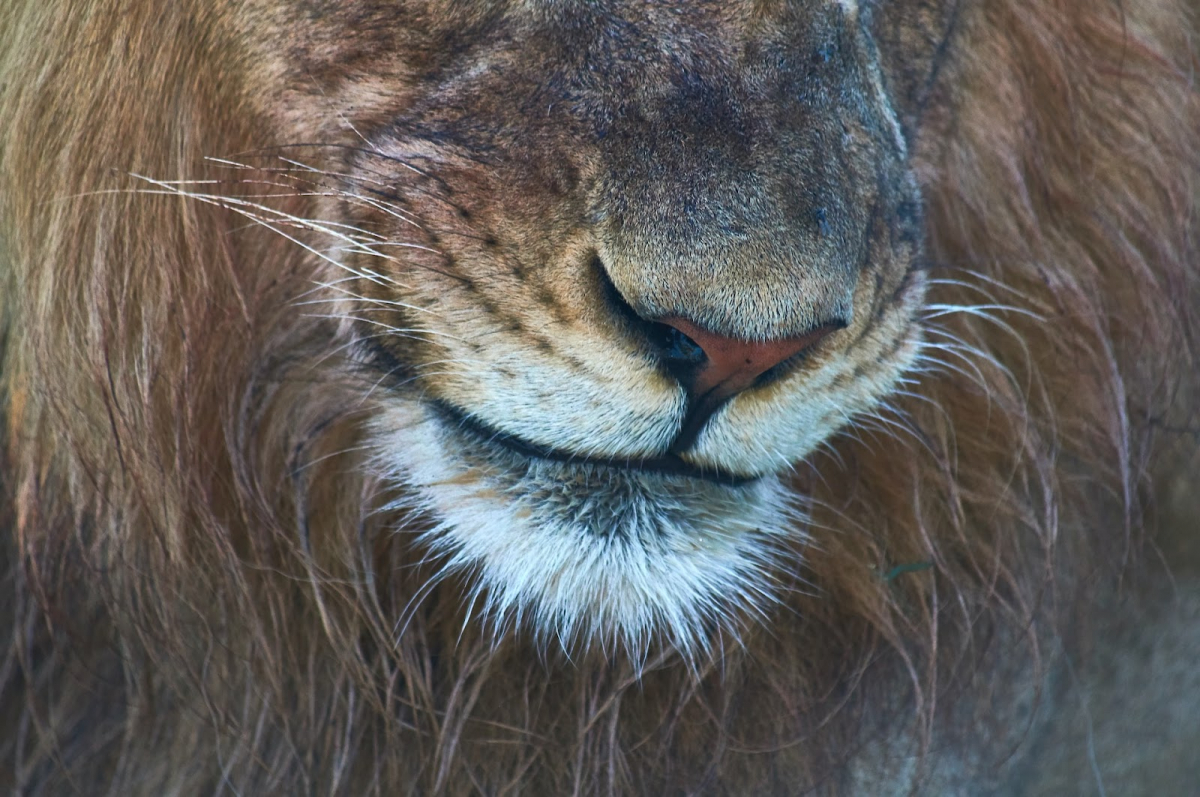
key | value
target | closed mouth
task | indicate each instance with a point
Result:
(667, 465)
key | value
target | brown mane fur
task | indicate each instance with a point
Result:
(209, 596)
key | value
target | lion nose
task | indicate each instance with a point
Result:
(714, 367)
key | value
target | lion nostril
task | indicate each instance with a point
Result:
(681, 355)
(678, 347)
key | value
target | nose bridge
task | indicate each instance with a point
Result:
(750, 231)
(741, 198)
(739, 283)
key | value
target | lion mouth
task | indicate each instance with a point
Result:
(666, 465)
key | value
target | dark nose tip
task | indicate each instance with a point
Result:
(730, 365)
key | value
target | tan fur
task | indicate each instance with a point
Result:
(212, 589)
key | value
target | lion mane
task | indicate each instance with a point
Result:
(210, 587)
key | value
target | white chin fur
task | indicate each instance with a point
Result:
(589, 553)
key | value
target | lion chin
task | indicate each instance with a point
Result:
(589, 551)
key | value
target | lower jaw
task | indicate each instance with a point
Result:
(585, 551)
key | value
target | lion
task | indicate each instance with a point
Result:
(472, 396)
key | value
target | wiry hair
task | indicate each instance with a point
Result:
(210, 591)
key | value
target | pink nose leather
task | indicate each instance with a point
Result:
(733, 365)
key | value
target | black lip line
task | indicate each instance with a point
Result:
(670, 464)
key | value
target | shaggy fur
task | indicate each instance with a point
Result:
(214, 590)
